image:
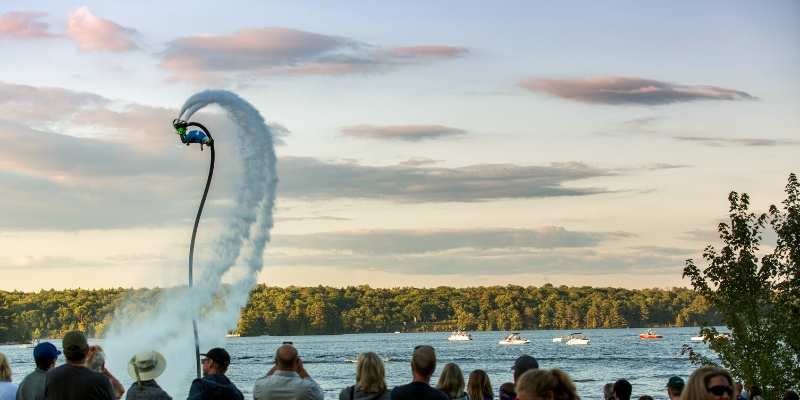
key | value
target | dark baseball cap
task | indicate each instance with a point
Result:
(676, 383)
(524, 363)
(45, 351)
(75, 341)
(219, 356)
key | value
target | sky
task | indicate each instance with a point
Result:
(419, 143)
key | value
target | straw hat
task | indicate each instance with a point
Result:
(149, 365)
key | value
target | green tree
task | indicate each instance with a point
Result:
(756, 300)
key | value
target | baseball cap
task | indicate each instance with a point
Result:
(219, 356)
(676, 383)
(45, 351)
(523, 363)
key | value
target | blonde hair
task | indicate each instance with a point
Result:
(479, 386)
(5, 369)
(370, 375)
(697, 386)
(95, 358)
(541, 381)
(451, 381)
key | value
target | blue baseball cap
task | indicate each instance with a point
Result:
(45, 351)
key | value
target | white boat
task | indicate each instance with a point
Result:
(559, 339)
(577, 338)
(514, 338)
(460, 336)
(230, 335)
(698, 338)
(703, 338)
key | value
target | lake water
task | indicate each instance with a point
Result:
(612, 354)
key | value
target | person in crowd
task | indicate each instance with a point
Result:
(45, 355)
(423, 364)
(755, 393)
(709, 383)
(214, 385)
(370, 380)
(740, 393)
(608, 391)
(791, 395)
(451, 382)
(550, 384)
(674, 388)
(144, 368)
(622, 390)
(508, 391)
(646, 397)
(73, 381)
(523, 364)
(8, 390)
(479, 387)
(287, 379)
(96, 361)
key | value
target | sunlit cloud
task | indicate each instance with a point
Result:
(737, 142)
(96, 34)
(24, 25)
(619, 90)
(409, 133)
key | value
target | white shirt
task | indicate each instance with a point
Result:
(8, 391)
(286, 385)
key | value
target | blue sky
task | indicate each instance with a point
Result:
(424, 143)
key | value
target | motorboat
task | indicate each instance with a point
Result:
(650, 334)
(701, 338)
(577, 338)
(514, 338)
(560, 339)
(460, 336)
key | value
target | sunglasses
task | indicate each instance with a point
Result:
(720, 390)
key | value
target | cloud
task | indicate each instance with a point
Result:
(95, 34)
(252, 53)
(731, 142)
(418, 162)
(409, 133)
(24, 25)
(376, 242)
(313, 179)
(618, 90)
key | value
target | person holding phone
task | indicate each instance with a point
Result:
(287, 379)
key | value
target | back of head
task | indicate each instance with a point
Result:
(646, 397)
(508, 391)
(608, 391)
(623, 389)
(675, 386)
(5, 369)
(423, 362)
(45, 355)
(479, 386)
(523, 364)
(451, 381)
(696, 387)
(370, 374)
(538, 382)
(791, 395)
(95, 358)
(286, 357)
(75, 346)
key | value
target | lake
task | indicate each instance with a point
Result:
(612, 354)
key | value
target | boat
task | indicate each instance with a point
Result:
(650, 334)
(700, 338)
(460, 336)
(231, 334)
(560, 339)
(514, 338)
(577, 338)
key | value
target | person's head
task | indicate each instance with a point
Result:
(286, 358)
(75, 347)
(370, 374)
(95, 358)
(146, 366)
(451, 381)
(709, 383)
(216, 361)
(523, 364)
(45, 355)
(755, 390)
(508, 391)
(423, 362)
(675, 386)
(479, 387)
(546, 384)
(608, 391)
(791, 395)
(5, 369)
(622, 389)
(646, 397)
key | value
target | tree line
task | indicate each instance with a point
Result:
(329, 310)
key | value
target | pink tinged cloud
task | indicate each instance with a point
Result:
(618, 90)
(95, 34)
(410, 133)
(23, 25)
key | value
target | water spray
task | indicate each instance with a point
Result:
(202, 136)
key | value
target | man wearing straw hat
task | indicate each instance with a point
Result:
(145, 367)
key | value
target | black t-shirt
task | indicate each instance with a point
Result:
(417, 391)
(70, 382)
